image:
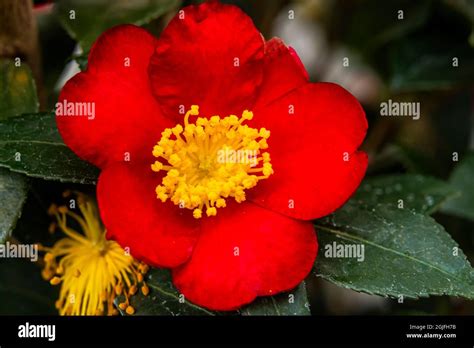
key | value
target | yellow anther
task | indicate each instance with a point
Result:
(264, 133)
(173, 173)
(145, 290)
(201, 121)
(144, 268)
(211, 211)
(166, 133)
(122, 306)
(215, 120)
(157, 166)
(267, 169)
(47, 274)
(133, 290)
(118, 289)
(55, 281)
(177, 129)
(52, 227)
(174, 159)
(197, 213)
(130, 310)
(247, 115)
(53, 209)
(263, 144)
(63, 209)
(194, 110)
(140, 277)
(48, 257)
(212, 196)
(233, 120)
(158, 151)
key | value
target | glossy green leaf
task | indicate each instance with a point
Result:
(462, 178)
(290, 303)
(13, 192)
(31, 144)
(85, 20)
(416, 192)
(428, 62)
(405, 253)
(17, 96)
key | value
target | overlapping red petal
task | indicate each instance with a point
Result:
(127, 119)
(210, 55)
(283, 72)
(244, 252)
(161, 234)
(315, 133)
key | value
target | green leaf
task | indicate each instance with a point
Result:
(416, 192)
(462, 178)
(163, 298)
(13, 192)
(464, 7)
(405, 254)
(18, 90)
(86, 20)
(18, 95)
(23, 291)
(426, 63)
(31, 144)
(291, 303)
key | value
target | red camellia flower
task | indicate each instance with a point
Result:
(216, 151)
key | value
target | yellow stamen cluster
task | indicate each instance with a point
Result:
(210, 160)
(92, 270)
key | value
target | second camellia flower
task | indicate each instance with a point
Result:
(165, 108)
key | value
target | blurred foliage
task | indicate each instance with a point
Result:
(85, 20)
(415, 192)
(461, 179)
(18, 90)
(32, 145)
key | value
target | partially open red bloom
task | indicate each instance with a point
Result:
(211, 55)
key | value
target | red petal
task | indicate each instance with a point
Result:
(127, 116)
(194, 62)
(308, 149)
(283, 72)
(158, 233)
(274, 253)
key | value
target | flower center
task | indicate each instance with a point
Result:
(210, 160)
